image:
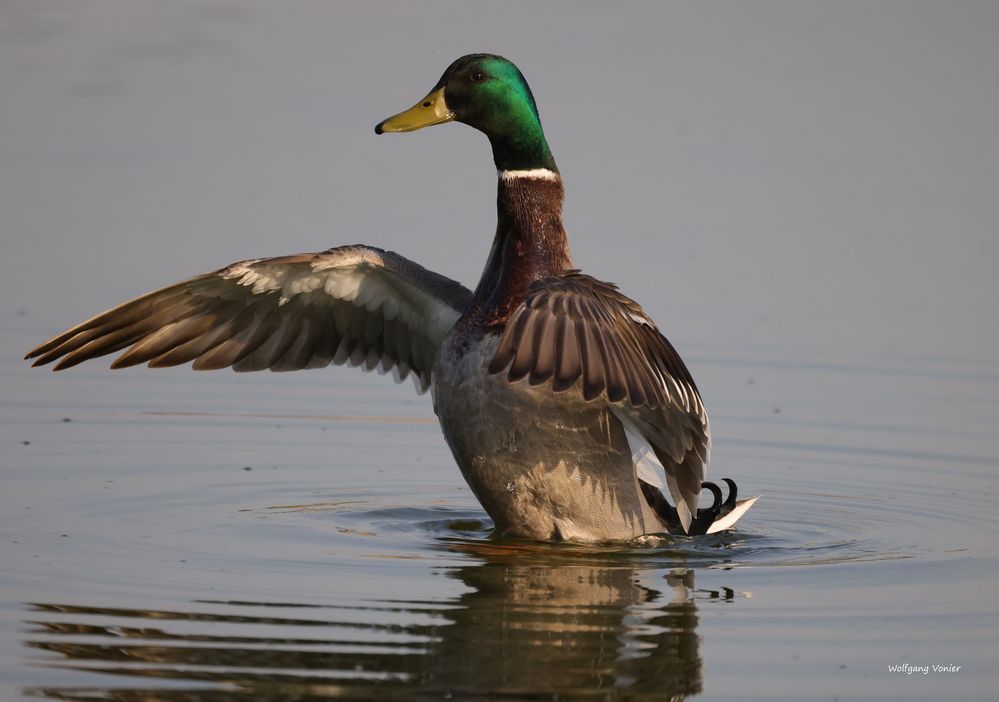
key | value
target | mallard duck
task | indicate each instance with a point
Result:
(569, 414)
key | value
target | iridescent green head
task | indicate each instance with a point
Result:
(489, 93)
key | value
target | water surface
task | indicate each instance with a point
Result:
(230, 554)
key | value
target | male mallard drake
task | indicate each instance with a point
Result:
(565, 408)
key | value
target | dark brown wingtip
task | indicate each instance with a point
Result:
(40, 356)
(44, 355)
(38, 351)
(499, 363)
(67, 362)
(591, 391)
(124, 361)
(516, 374)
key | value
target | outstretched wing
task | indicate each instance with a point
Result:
(575, 330)
(355, 305)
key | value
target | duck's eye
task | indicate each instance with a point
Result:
(478, 76)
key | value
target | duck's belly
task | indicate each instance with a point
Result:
(544, 466)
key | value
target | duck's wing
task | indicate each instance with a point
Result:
(355, 305)
(575, 330)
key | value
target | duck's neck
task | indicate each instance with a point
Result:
(530, 242)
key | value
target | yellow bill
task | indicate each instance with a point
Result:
(429, 111)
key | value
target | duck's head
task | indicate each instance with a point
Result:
(489, 93)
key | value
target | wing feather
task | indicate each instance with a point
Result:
(235, 348)
(543, 350)
(621, 374)
(355, 305)
(576, 331)
(567, 367)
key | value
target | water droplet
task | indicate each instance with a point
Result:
(509, 486)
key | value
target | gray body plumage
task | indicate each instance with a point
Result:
(544, 465)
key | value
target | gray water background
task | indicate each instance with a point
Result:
(802, 194)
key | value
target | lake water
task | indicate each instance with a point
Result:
(822, 255)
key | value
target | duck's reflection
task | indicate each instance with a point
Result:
(580, 624)
(528, 627)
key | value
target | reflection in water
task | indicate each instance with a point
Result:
(573, 625)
